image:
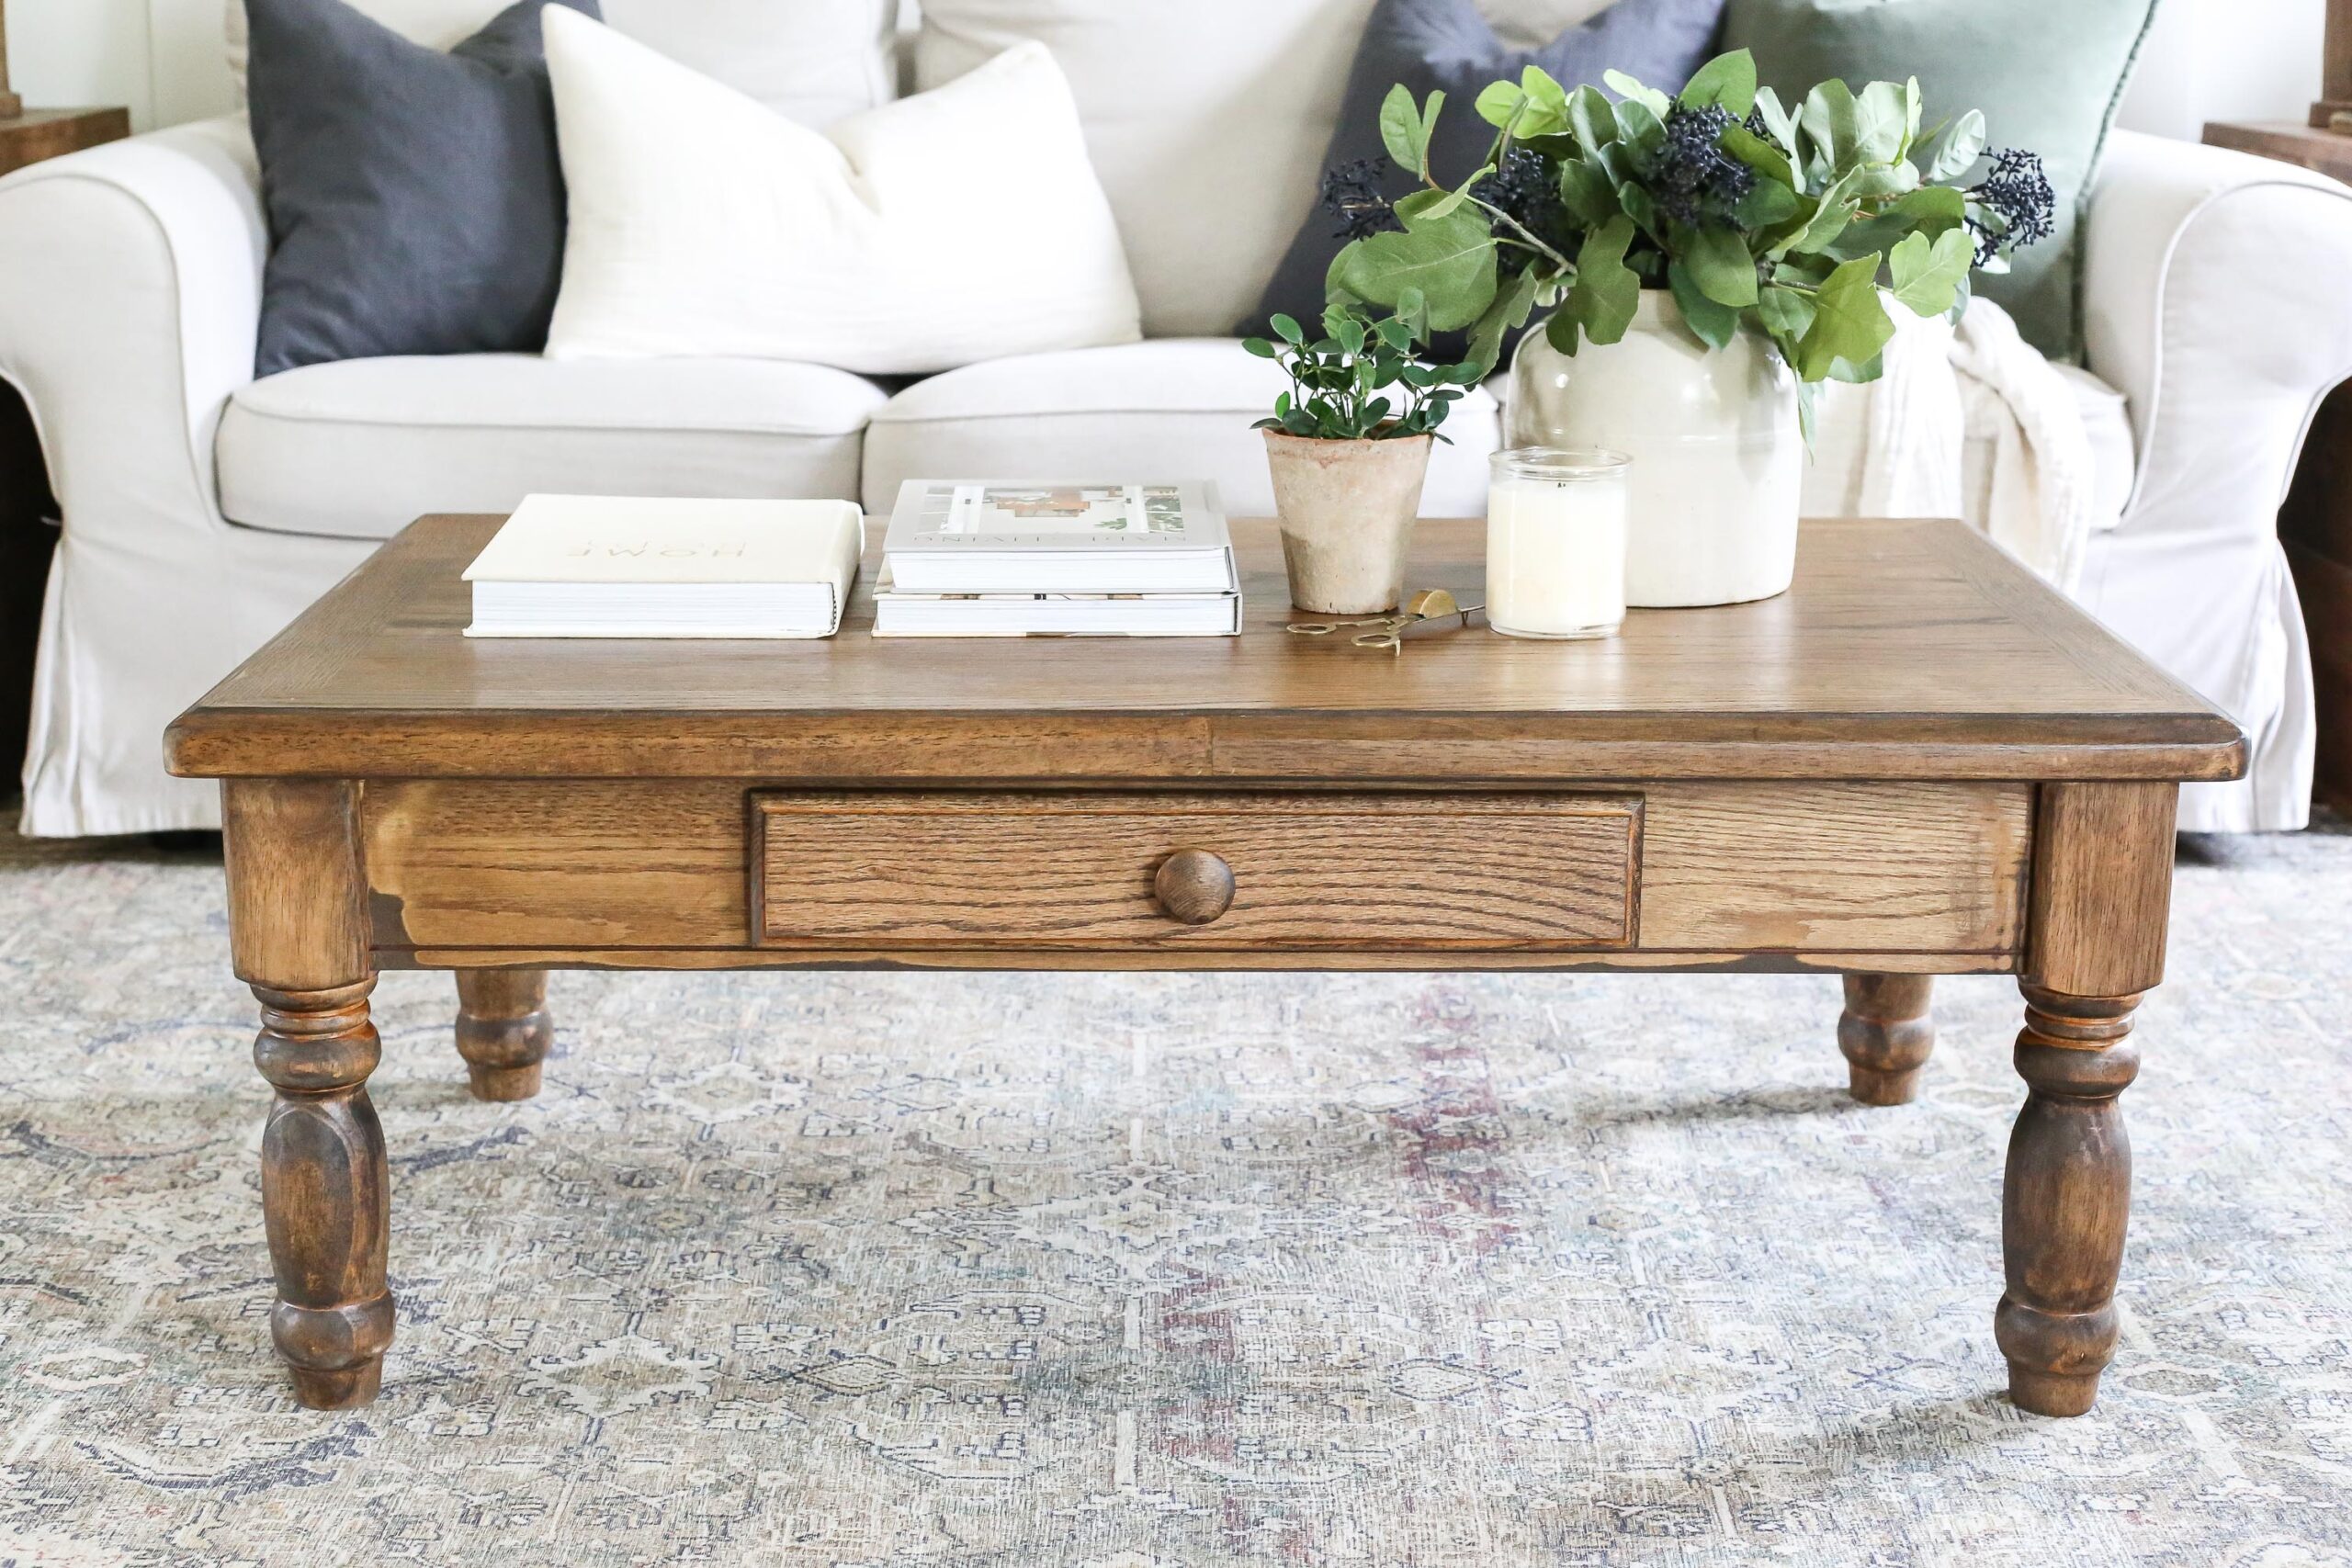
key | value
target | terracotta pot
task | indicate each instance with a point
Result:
(1347, 515)
(1718, 459)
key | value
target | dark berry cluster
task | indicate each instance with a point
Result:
(2018, 192)
(1526, 186)
(1692, 178)
(1352, 194)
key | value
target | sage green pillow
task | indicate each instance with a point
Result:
(2048, 74)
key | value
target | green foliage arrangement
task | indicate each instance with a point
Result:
(1785, 222)
(1360, 381)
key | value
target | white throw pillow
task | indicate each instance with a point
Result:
(1208, 120)
(938, 231)
(813, 60)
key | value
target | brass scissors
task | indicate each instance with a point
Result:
(1431, 604)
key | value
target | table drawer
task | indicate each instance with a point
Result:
(1483, 873)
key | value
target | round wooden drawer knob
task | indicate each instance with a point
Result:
(1193, 886)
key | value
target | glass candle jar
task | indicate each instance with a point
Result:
(1556, 542)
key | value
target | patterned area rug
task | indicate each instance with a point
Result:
(955, 1271)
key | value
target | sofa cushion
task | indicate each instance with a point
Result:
(1179, 408)
(1207, 120)
(813, 61)
(415, 206)
(940, 230)
(2047, 78)
(358, 449)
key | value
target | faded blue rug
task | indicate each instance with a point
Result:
(1170, 1271)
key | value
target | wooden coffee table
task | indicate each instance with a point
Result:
(1918, 762)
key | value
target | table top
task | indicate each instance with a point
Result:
(1906, 649)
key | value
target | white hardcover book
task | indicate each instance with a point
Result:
(1056, 614)
(599, 566)
(1059, 537)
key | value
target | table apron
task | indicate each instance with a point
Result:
(1899, 875)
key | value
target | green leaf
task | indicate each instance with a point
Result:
(1546, 109)
(1452, 199)
(1419, 205)
(1541, 85)
(1640, 128)
(1287, 329)
(1786, 312)
(1777, 122)
(1758, 155)
(1718, 263)
(1831, 121)
(1346, 328)
(1639, 205)
(1768, 205)
(1858, 374)
(1258, 347)
(1412, 316)
(1928, 273)
(1589, 194)
(1876, 182)
(1560, 331)
(1451, 260)
(1716, 324)
(1593, 119)
(1848, 321)
(1607, 292)
(1962, 145)
(1881, 123)
(1728, 80)
(1507, 314)
(1400, 128)
(1932, 210)
(1650, 98)
(1499, 104)
(1828, 220)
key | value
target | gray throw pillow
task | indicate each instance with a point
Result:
(1432, 45)
(2048, 74)
(414, 197)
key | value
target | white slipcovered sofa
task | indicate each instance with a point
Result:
(204, 509)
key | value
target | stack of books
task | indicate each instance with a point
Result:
(602, 566)
(994, 558)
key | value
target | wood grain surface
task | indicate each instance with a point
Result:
(662, 866)
(1907, 649)
(34, 136)
(1395, 872)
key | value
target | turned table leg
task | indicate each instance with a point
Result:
(1887, 1034)
(503, 1029)
(298, 933)
(2065, 1199)
(2103, 888)
(324, 1193)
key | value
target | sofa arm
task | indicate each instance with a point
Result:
(130, 302)
(2214, 300)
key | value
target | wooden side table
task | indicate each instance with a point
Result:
(2315, 524)
(27, 507)
(31, 135)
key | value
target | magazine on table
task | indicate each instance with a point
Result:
(1059, 537)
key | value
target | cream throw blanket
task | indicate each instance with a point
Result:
(1943, 387)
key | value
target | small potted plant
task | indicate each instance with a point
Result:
(1348, 447)
(1708, 260)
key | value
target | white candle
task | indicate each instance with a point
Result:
(1556, 543)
